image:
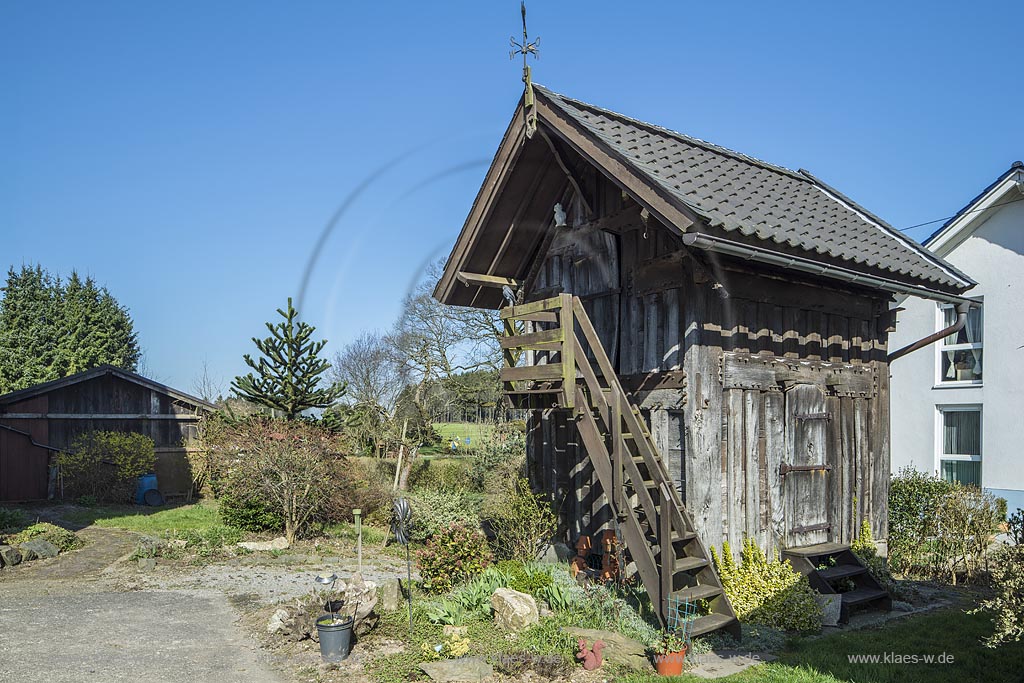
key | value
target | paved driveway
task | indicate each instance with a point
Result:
(62, 622)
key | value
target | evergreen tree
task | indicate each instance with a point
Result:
(28, 328)
(288, 373)
(51, 329)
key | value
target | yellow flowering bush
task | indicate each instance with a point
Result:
(766, 592)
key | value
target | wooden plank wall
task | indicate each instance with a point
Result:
(658, 311)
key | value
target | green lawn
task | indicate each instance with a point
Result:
(827, 660)
(476, 432)
(146, 519)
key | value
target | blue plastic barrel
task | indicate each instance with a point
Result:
(147, 482)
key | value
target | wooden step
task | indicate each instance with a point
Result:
(863, 595)
(841, 571)
(688, 564)
(702, 592)
(819, 550)
(709, 623)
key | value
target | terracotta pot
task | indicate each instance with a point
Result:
(670, 663)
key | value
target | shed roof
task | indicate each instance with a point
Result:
(99, 371)
(740, 194)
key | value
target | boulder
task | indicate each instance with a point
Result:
(556, 553)
(456, 670)
(147, 564)
(390, 595)
(618, 649)
(514, 611)
(279, 543)
(9, 556)
(38, 549)
(363, 595)
(279, 620)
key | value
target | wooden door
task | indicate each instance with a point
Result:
(24, 468)
(805, 472)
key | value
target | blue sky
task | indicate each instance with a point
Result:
(188, 155)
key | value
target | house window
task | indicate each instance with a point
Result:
(960, 457)
(960, 352)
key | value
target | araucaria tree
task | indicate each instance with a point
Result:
(288, 373)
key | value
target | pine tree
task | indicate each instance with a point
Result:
(28, 328)
(289, 371)
(51, 329)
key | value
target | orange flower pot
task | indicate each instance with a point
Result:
(670, 663)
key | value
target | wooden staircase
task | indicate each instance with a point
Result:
(658, 531)
(828, 565)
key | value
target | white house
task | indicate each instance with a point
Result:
(958, 405)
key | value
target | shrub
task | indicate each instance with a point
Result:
(248, 512)
(939, 528)
(1007, 605)
(106, 465)
(451, 557)
(765, 592)
(522, 522)
(11, 519)
(438, 474)
(501, 457)
(210, 540)
(1014, 526)
(62, 538)
(524, 578)
(293, 465)
(435, 510)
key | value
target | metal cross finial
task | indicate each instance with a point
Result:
(526, 47)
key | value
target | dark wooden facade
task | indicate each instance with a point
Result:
(48, 418)
(738, 372)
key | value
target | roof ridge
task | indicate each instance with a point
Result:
(689, 139)
(1014, 168)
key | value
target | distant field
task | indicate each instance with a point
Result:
(460, 430)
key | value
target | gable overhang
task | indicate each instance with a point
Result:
(497, 244)
(977, 211)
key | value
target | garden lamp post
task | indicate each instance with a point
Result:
(329, 581)
(358, 515)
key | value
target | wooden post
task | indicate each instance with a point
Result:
(568, 351)
(668, 558)
(401, 450)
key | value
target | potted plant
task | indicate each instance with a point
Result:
(670, 654)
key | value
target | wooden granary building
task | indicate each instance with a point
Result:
(701, 338)
(38, 422)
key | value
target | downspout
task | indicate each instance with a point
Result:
(961, 320)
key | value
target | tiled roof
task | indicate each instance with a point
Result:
(746, 196)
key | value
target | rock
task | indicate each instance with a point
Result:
(147, 564)
(278, 621)
(555, 553)
(9, 556)
(901, 606)
(363, 594)
(831, 606)
(514, 611)
(151, 543)
(454, 670)
(618, 649)
(390, 595)
(279, 543)
(38, 548)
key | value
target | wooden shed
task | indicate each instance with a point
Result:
(701, 337)
(39, 421)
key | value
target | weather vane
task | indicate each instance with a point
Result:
(525, 49)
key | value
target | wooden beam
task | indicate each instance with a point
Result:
(479, 280)
(96, 416)
(568, 172)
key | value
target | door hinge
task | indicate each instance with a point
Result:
(786, 468)
(813, 416)
(813, 527)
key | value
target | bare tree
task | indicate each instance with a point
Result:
(437, 342)
(372, 371)
(206, 386)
